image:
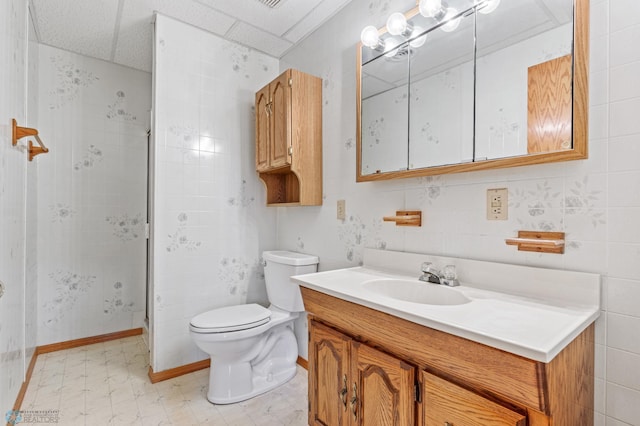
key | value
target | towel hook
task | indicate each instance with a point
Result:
(19, 132)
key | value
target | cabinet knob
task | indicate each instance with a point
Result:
(448, 424)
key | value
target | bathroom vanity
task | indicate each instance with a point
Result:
(514, 346)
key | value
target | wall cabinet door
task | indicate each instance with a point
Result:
(281, 121)
(447, 404)
(351, 384)
(273, 124)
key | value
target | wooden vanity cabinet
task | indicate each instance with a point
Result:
(289, 139)
(351, 384)
(459, 382)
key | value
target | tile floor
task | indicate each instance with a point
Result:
(107, 384)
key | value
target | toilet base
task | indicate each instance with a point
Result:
(261, 384)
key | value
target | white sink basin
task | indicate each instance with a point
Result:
(416, 292)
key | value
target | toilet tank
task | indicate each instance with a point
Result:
(279, 266)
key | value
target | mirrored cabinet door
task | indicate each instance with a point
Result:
(441, 102)
(523, 79)
(385, 112)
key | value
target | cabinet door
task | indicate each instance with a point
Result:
(262, 129)
(280, 121)
(382, 389)
(444, 403)
(328, 376)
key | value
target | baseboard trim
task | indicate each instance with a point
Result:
(69, 344)
(66, 345)
(27, 379)
(178, 371)
(303, 363)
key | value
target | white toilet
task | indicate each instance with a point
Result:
(253, 349)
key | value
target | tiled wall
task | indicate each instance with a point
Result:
(210, 223)
(13, 178)
(31, 266)
(595, 201)
(92, 202)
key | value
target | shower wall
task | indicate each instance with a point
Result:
(92, 196)
(210, 222)
(13, 177)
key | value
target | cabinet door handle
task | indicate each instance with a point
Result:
(267, 108)
(343, 392)
(354, 402)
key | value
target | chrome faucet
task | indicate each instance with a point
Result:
(431, 275)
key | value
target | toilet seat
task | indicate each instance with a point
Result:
(231, 318)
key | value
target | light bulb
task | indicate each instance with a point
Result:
(396, 24)
(451, 25)
(430, 8)
(419, 41)
(369, 37)
(491, 5)
(391, 46)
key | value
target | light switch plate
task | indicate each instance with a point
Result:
(497, 204)
(341, 210)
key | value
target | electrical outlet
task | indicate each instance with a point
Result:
(341, 210)
(497, 204)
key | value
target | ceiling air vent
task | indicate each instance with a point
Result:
(270, 3)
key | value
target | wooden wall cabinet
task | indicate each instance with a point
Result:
(459, 382)
(289, 139)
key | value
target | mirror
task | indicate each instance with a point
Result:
(500, 89)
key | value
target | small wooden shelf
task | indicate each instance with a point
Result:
(537, 241)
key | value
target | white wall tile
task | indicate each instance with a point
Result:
(623, 120)
(624, 189)
(622, 51)
(624, 13)
(623, 332)
(623, 296)
(623, 404)
(618, 370)
(624, 152)
(623, 82)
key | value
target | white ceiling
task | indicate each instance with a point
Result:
(120, 30)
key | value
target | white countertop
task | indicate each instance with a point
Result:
(525, 322)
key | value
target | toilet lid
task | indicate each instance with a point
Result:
(232, 318)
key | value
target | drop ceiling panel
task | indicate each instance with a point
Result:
(258, 39)
(277, 20)
(81, 26)
(134, 45)
(314, 19)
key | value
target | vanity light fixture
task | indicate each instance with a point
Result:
(431, 9)
(397, 25)
(370, 38)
